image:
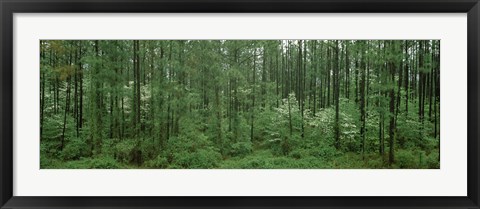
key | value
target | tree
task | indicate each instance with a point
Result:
(391, 66)
(362, 96)
(337, 96)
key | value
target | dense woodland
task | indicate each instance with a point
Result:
(240, 103)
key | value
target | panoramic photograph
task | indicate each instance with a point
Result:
(239, 104)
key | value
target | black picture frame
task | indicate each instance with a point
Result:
(9, 7)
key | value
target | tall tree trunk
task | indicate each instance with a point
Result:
(301, 84)
(328, 75)
(362, 98)
(42, 94)
(400, 83)
(421, 83)
(391, 157)
(138, 99)
(98, 126)
(67, 104)
(80, 105)
(75, 94)
(407, 59)
(356, 80)
(431, 78)
(253, 95)
(337, 95)
(347, 71)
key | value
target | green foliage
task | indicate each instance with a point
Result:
(109, 147)
(48, 161)
(50, 128)
(409, 132)
(75, 149)
(191, 149)
(266, 126)
(158, 162)
(125, 151)
(184, 104)
(203, 158)
(103, 162)
(417, 159)
(410, 159)
(349, 129)
(241, 148)
(433, 160)
(265, 159)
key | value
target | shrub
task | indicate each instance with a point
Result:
(126, 151)
(348, 160)
(432, 160)
(157, 162)
(203, 158)
(298, 153)
(326, 153)
(108, 147)
(46, 162)
(149, 149)
(192, 150)
(266, 160)
(279, 146)
(104, 163)
(241, 148)
(264, 127)
(74, 149)
(51, 130)
(374, 161)
(412, 134)
(101, 162)
(410, 159)
(255, 163)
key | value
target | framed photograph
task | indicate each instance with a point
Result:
(239, 104)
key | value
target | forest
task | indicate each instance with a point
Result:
(239, 104)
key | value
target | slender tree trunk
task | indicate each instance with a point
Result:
(98, 126)
(400, 82)
(347, 71)
(67, 104)
(337, 95)
(138, 103)
(328, 65)
(253, 95)
(301, 84)
(75, 94)
(362, 99)
(391, 157)
(430, 94)
(42, 94)
(356, 81)
(407, 58)
(277, 79)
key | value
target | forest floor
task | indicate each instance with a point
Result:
(265, 159)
